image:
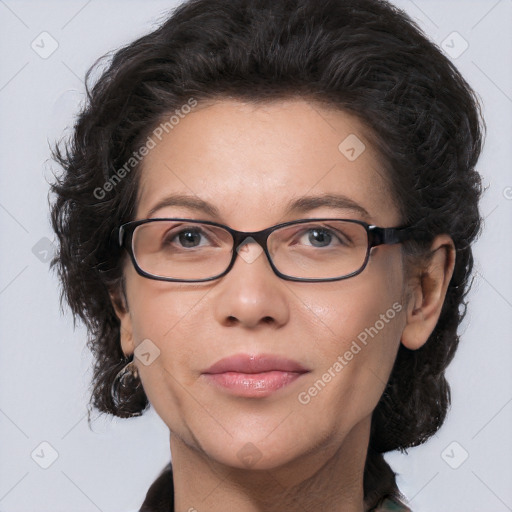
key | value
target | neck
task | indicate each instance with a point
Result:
(331, 479)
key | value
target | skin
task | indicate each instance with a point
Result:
(248, 161)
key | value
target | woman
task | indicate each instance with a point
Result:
(265, 221)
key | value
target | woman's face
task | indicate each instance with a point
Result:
(249, 163)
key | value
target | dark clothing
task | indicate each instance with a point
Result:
(160, 496)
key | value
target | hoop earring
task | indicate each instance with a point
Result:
(125, 387)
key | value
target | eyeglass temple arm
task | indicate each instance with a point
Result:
(382, 236)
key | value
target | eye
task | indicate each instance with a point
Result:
(187, 238)
(318, 236)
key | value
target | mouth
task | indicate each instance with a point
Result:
(254, 376)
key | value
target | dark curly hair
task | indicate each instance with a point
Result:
(365, 57)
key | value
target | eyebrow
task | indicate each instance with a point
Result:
(191, 202)
(338, 201)
(296, 206)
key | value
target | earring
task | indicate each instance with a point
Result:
(125, 389)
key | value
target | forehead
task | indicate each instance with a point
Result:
(251, 160)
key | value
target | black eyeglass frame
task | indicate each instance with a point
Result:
(375, 235)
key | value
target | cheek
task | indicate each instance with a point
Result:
(159, 307)
(161, 316)
(366, 307)
(357, 325)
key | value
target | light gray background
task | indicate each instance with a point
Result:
(44, 367)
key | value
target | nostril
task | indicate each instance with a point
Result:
(231, 320)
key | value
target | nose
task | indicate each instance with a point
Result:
(251, 295)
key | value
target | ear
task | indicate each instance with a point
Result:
(120, 304)
(428, 292)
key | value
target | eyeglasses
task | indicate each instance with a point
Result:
(310, 250)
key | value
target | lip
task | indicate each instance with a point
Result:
(254, 375)
(246, 363)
